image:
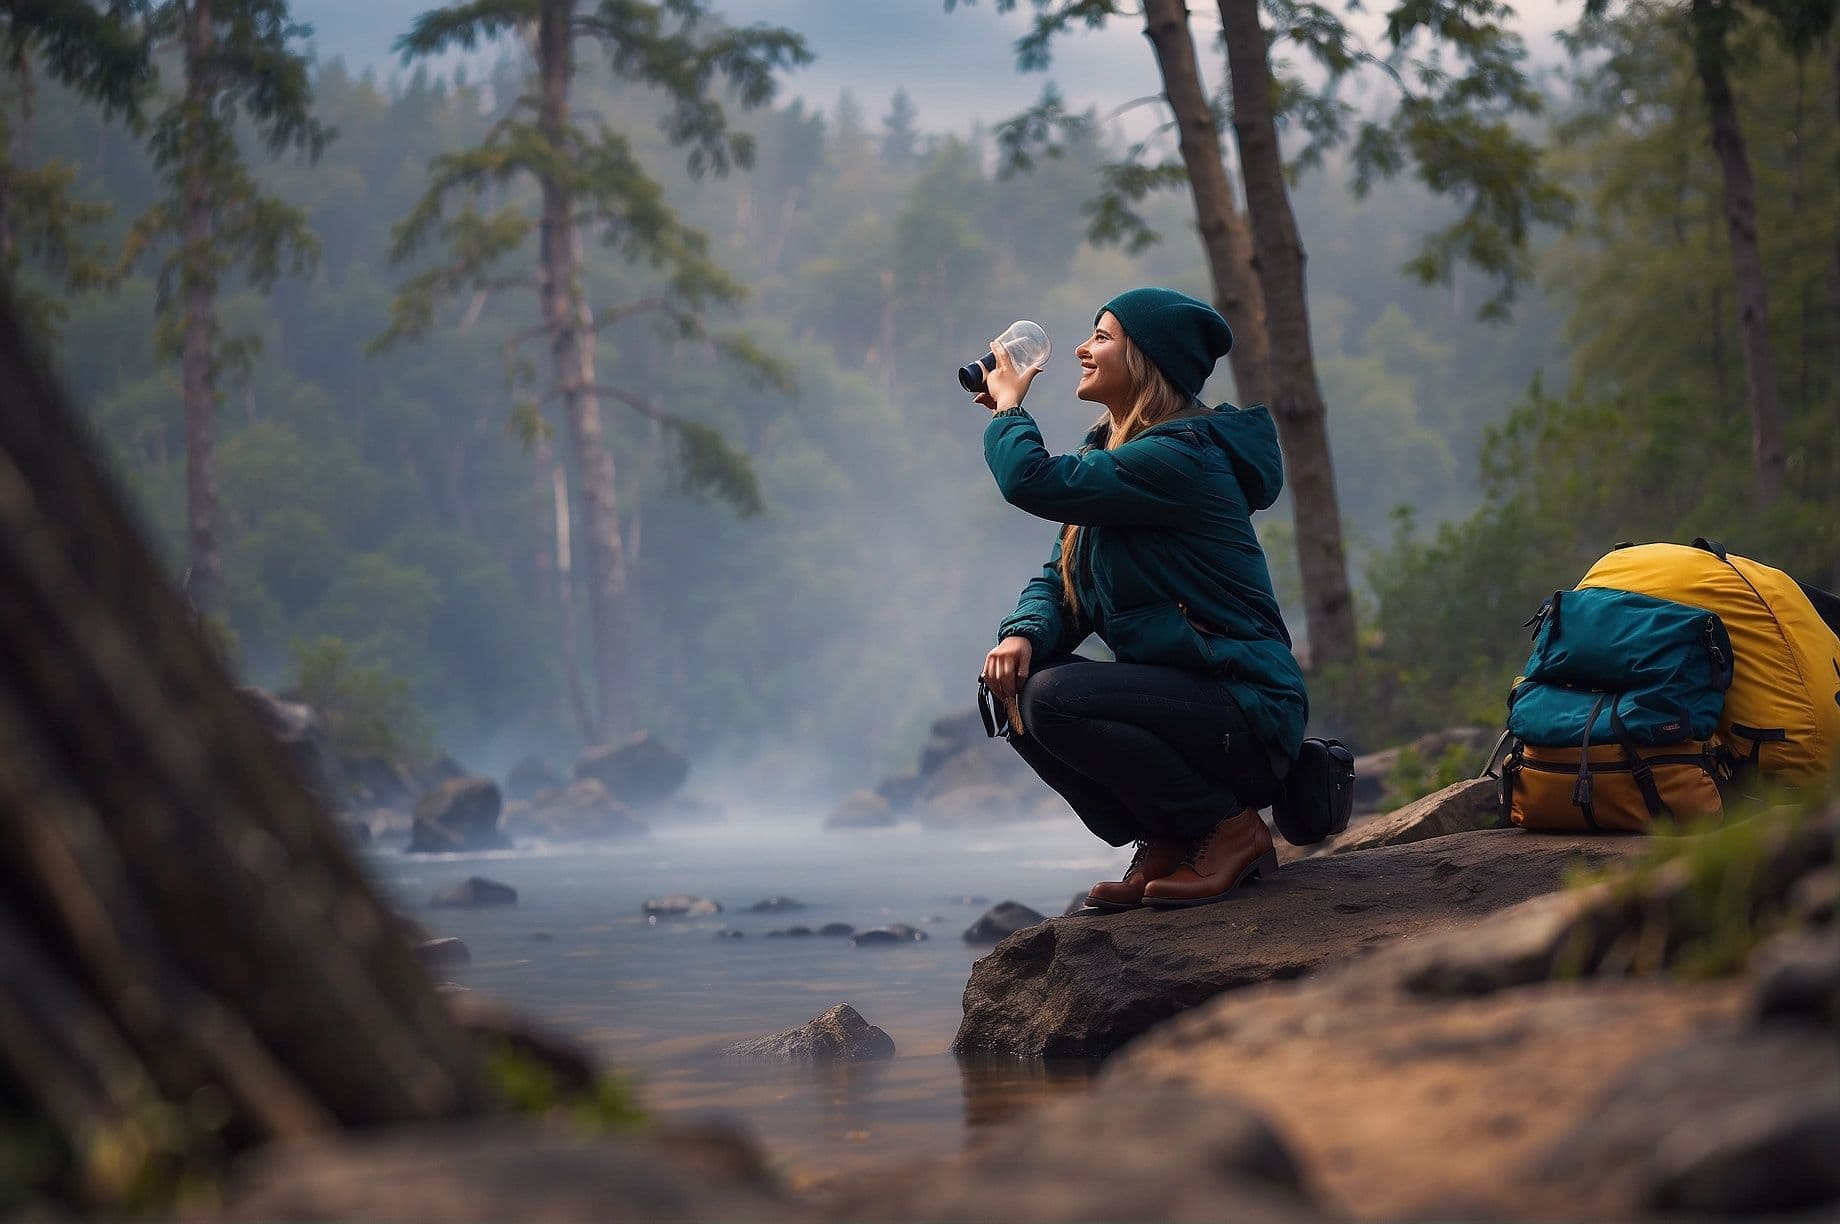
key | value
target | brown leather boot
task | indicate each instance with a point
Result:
(1238, 849)
(1154, 860)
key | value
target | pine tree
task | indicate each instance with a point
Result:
(239, 63)
(591, 180)
(98, 54)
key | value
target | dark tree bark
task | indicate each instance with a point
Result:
(1710, 53)
(204, 561)
(1296, 399)
(571, 328)
(1224, 236)
(183, 938)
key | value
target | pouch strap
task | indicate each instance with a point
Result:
(1638, 768)
(1581, 789)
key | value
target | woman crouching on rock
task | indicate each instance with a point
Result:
(1177, 744)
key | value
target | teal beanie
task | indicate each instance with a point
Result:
(1182, 337)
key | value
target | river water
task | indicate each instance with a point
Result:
(657, 1000)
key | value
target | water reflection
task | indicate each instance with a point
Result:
(996, 1089)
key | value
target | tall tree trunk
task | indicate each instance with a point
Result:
(1833, 336)
(204, 563)
(1224, 236)
(1709, 53)
(565, 601)
(190, 960)
(565, 313)
(18, 152)
(1296, 398)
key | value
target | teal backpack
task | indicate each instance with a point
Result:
(1618, 667)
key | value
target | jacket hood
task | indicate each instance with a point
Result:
(1250, 439)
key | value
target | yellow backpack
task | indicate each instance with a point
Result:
(1782, 711)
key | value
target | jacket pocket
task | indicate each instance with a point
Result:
(1162, 633)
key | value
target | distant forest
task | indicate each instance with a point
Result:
(389, 518)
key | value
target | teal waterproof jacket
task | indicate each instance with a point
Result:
(1169, 569)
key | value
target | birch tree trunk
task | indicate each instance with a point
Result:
(565, 314)
(1224, 236)
(204, 563)
(1709, 52)
(1296, 399)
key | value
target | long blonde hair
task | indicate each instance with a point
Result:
(1154, 399)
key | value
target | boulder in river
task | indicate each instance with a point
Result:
(837, 930)
(581, 811)
(1001, 920)
(639, 770)
(532, 775)
(680, 905)
(475, 891)
(440, 953)
(839, 1035)
(791, 932)
(893, 933)
(776, 905)
(861, 809)
(459, 814)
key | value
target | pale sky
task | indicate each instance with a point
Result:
(958, 67)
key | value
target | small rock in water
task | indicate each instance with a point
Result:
(730, 933)
(776, 905)
(680, 905)
(1001, 920)
(443, 952)
(791, 932)
(839, 1035)
(837, 928)
(893, 933)
(475, 890)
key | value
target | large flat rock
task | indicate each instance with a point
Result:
(1083, 985)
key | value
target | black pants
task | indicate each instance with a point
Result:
(1141, 751)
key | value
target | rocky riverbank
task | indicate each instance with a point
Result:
(1448, 1028)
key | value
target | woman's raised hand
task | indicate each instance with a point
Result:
(1006, 385)
(1007, 666)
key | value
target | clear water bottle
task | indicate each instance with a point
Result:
(1027, 346)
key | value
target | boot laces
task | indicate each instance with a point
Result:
(1137, 857)
(1197, 849)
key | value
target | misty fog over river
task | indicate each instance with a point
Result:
(658, 1000)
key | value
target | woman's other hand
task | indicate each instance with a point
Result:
(1007, 666)
(1006, 385)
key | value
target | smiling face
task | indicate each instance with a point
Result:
(1103, 379)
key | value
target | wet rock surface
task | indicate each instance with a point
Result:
(440, 953)
(581, 811)
(680, 905)
(458, 815)
(639, 771)
(895, 933)
(863, 809)
(839, 1035)
(1084, 984)
(1000, 921)
(475, 891)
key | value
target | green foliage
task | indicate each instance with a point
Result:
(524, 1082)
(1413, 777)
(1704, 902)
(367, 710)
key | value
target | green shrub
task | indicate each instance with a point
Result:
(365, 707)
